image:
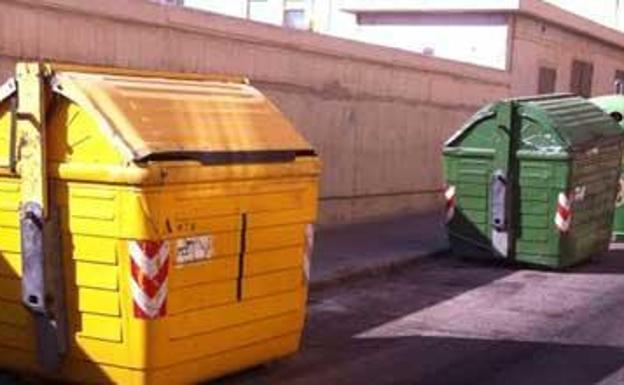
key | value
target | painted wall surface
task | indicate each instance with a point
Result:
(471, 38)
(378, 116)
(538, 44)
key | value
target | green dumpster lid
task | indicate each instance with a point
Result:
(612, 105)
(550, 123)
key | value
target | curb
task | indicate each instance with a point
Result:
(387, 267)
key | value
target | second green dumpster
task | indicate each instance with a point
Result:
(614, 106)
(533, 180)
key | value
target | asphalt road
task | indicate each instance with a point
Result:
(446, 321)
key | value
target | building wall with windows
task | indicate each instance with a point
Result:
(543, 47)
(548, 58)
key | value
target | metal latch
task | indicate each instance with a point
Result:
(42, 285)
(498, 211)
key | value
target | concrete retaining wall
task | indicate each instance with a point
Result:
(378, 116)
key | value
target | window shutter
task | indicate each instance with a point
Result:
(547, 80)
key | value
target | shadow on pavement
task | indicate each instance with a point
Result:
(611, 262)
(334, 352)
(338, 314)
(367, 248)
(453, 361)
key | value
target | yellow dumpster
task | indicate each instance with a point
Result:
(155, 228)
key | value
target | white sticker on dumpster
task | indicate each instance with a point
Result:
(193, 249)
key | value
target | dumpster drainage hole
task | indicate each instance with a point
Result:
(33, 299)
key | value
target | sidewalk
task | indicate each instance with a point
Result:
(367, 249)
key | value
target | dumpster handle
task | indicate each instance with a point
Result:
(12, 136)
(228, 157)
(241, 258)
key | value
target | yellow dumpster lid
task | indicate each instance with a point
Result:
(210, 120)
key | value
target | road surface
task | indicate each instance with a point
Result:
(447, 321)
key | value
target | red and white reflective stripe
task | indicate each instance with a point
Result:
(449, 196)
(563, 217)
(307, 251)
(150, 270)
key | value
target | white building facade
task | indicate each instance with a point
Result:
(475, 32)
(405, 24)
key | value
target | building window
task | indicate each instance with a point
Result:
(547, 80)
(618, 82)
(581, 78)
(295, 18)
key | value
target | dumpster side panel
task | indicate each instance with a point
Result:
(16, 324)
(98, 296)
(260, 272)
(618, 220)
(540, 182)
(469, 228)
(614, 106)
(593, 179)
(98, 330)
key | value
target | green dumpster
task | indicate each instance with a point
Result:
(614, 106)
(533, 180)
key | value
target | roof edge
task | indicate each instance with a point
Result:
(568, 20)
(537, 9)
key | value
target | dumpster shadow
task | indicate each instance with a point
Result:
(610, 262)
(28, 371)
(409, 329)
(338, 315)
(25, 371)
(450, 361)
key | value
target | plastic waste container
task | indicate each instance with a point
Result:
(533, 180)
(614, 106)
(155, 228)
